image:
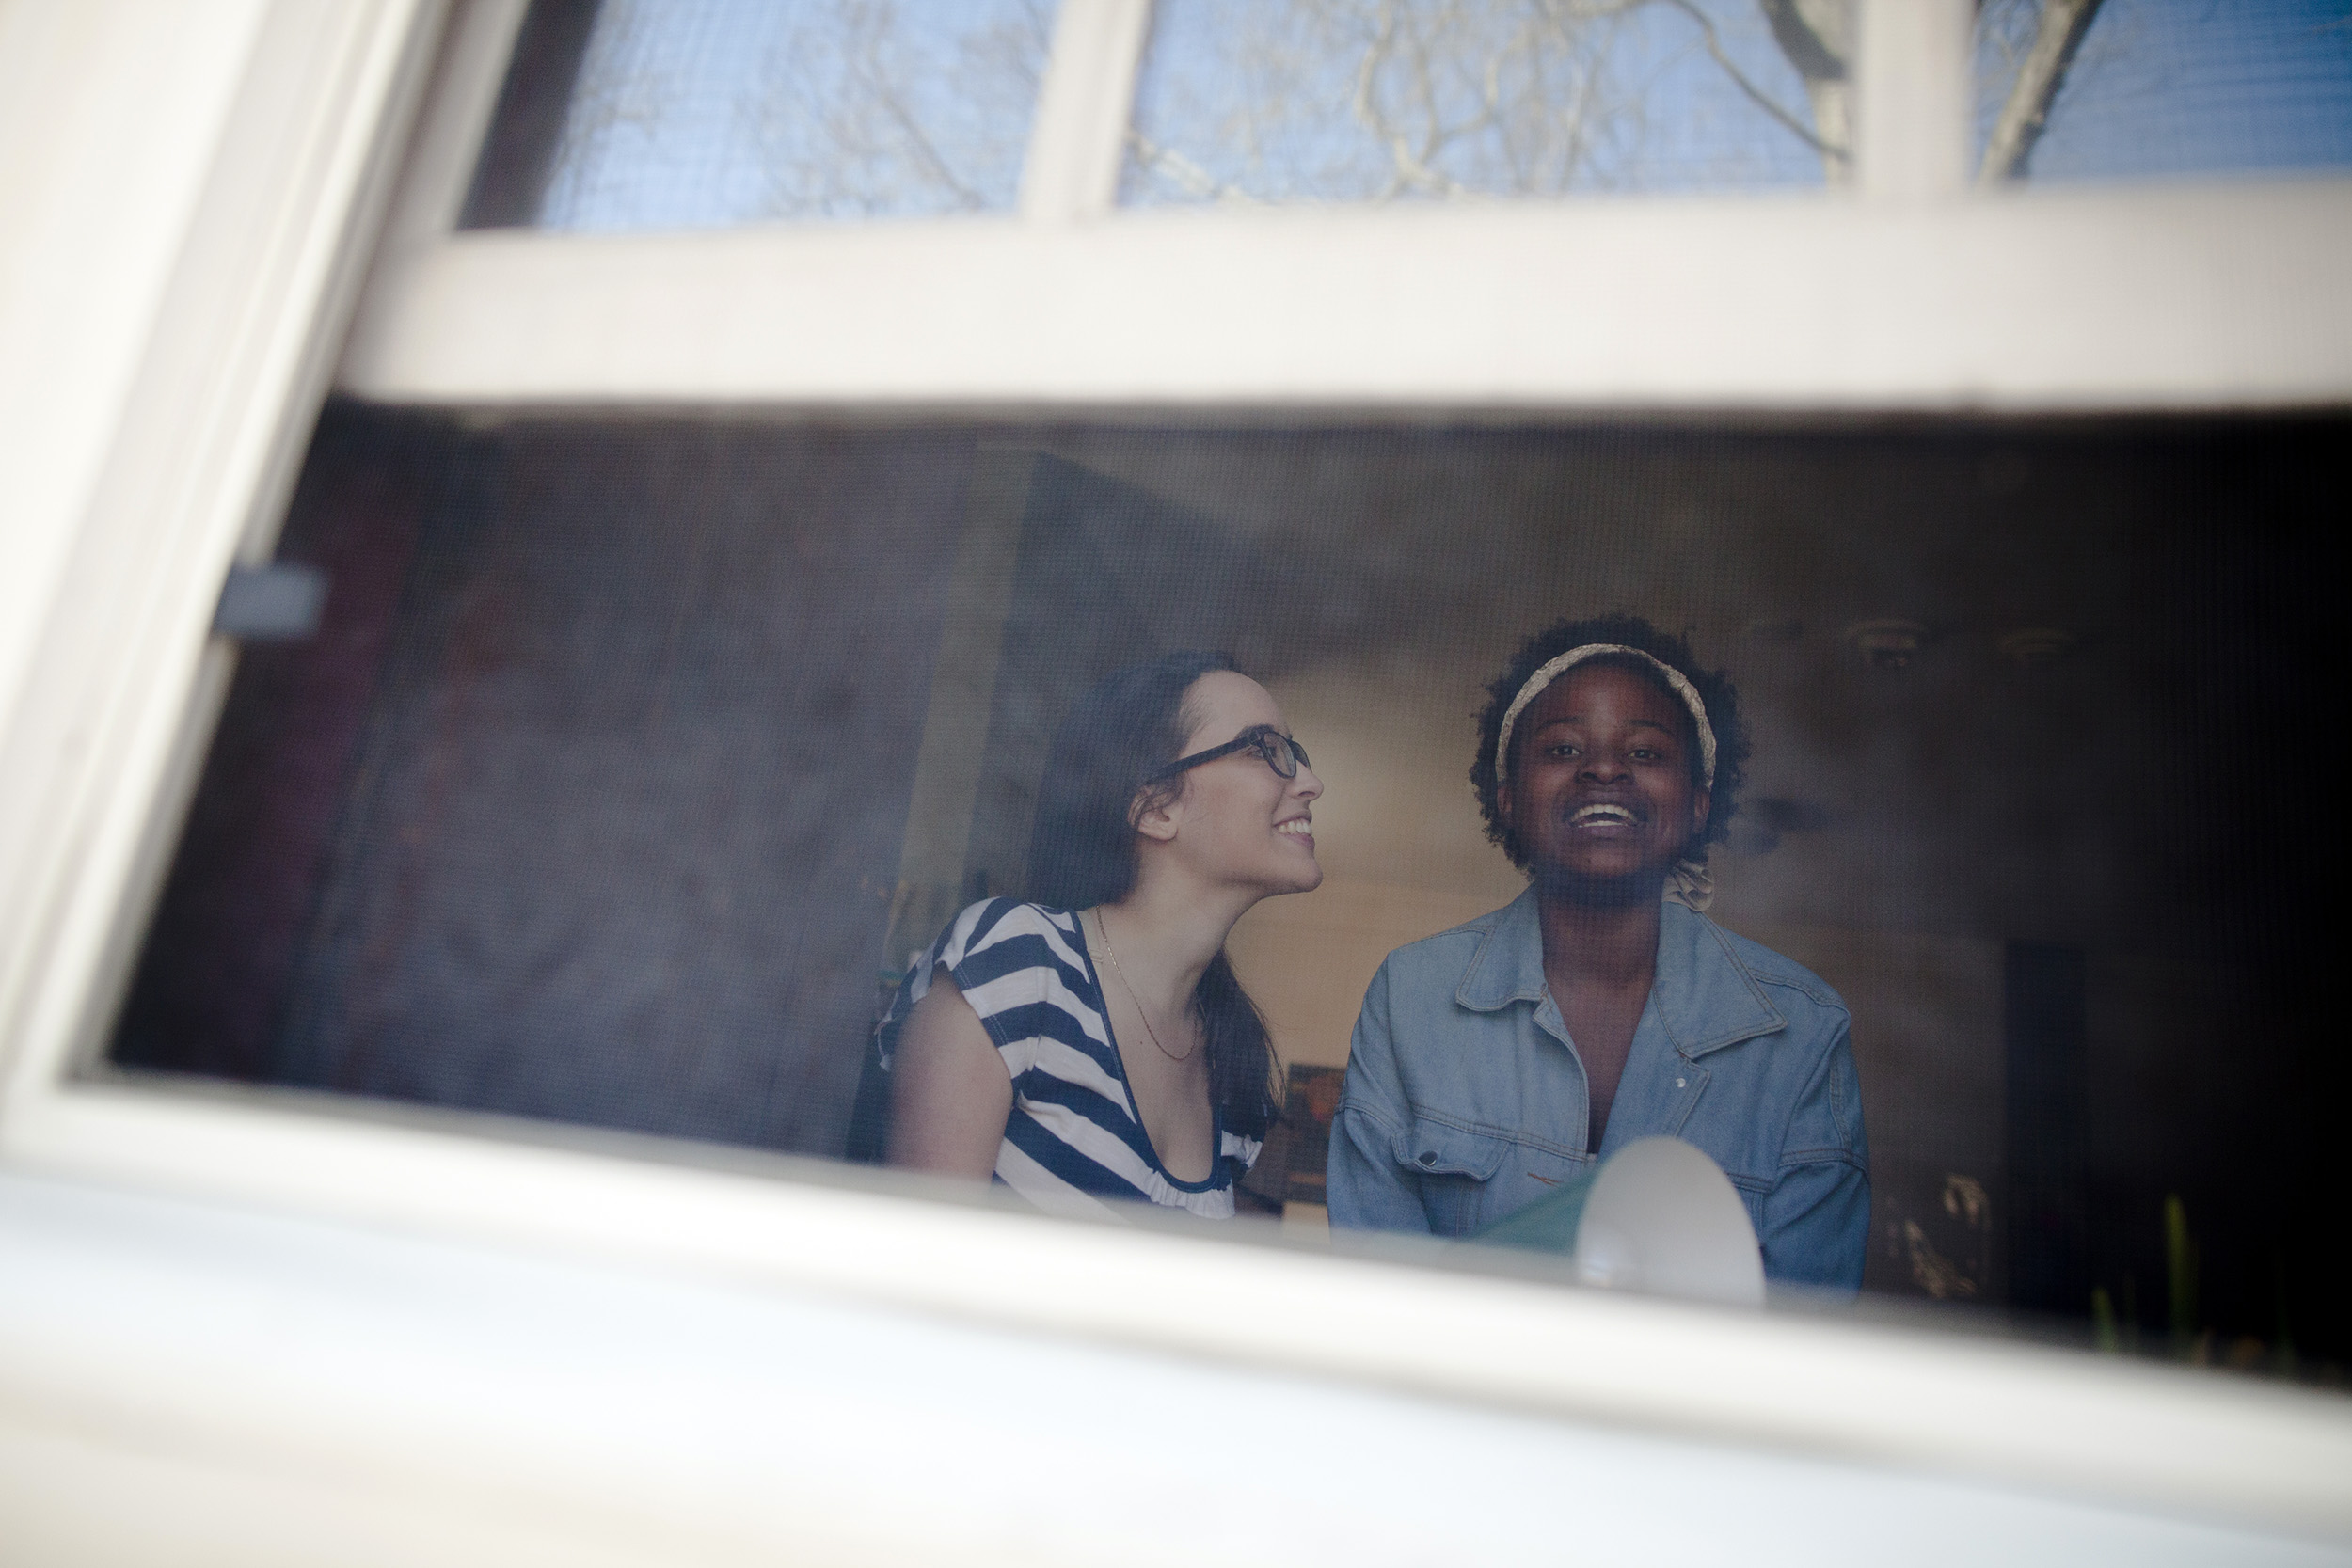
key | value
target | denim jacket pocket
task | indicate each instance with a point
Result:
(1451, 1167)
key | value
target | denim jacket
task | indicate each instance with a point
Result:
(1465, 1097)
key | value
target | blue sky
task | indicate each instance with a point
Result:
(1261, 102)
(695, 114)
(715, 112)
(2198, 87)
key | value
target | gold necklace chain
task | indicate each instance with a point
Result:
(1128, 987)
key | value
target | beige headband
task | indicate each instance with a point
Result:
(1552, 671)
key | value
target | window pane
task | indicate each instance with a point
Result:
(701, 114)
(636, 756)
(1366, 101)
(2162, 87)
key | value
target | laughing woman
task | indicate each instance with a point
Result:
(1497, 1060)
(1092, 1043)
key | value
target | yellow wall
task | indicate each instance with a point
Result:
(1403, 853)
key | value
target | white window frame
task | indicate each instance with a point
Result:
(1913, 291)
(1915, 294)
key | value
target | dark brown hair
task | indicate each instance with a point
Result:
(1713, 687)
(1082, 852)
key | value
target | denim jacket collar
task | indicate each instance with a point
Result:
(1703, 996)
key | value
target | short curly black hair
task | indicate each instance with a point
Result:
(1713, 687)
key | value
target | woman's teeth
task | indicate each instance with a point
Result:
(1298, 827)
(1602, 813)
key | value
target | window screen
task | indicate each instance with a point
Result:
(615, 789)
(2134, 88)
(633, 114)
(1352, 101)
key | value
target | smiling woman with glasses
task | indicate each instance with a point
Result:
(1280, 752)
(1090, 1043)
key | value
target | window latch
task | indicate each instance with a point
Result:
(277, 602)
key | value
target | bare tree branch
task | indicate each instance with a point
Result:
(1189, 177)
(1757, 95)
(2027, 114)
(885, 92)
(1816, 38)
(1367, 109)
(1812, 33)
(1507, 97)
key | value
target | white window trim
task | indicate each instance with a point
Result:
(2173, 299)
(1913, 290)
(113, 704)
(123, 681)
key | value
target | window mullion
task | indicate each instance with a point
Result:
(1911, 99)
(476, 49)
(1080, 134)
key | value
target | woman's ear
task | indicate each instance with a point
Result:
(1153, 812)
(1502, 802)
(1701, 803)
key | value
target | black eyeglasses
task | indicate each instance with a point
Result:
(1282, 754)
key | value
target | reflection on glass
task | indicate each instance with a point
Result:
(700, 114)
(2081, 89)
(1390, 100)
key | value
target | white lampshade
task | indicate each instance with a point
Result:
(1658, 1216)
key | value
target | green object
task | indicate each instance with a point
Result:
(2103, 1322)
(1547, 1225)
(2180, 1258)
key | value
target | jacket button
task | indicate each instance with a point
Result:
(1429, 1157)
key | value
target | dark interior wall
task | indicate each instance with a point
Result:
(1108, 575)
(212, 982)
(611, 837)
(2045, 1028)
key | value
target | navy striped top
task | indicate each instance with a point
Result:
(1073, 1142)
